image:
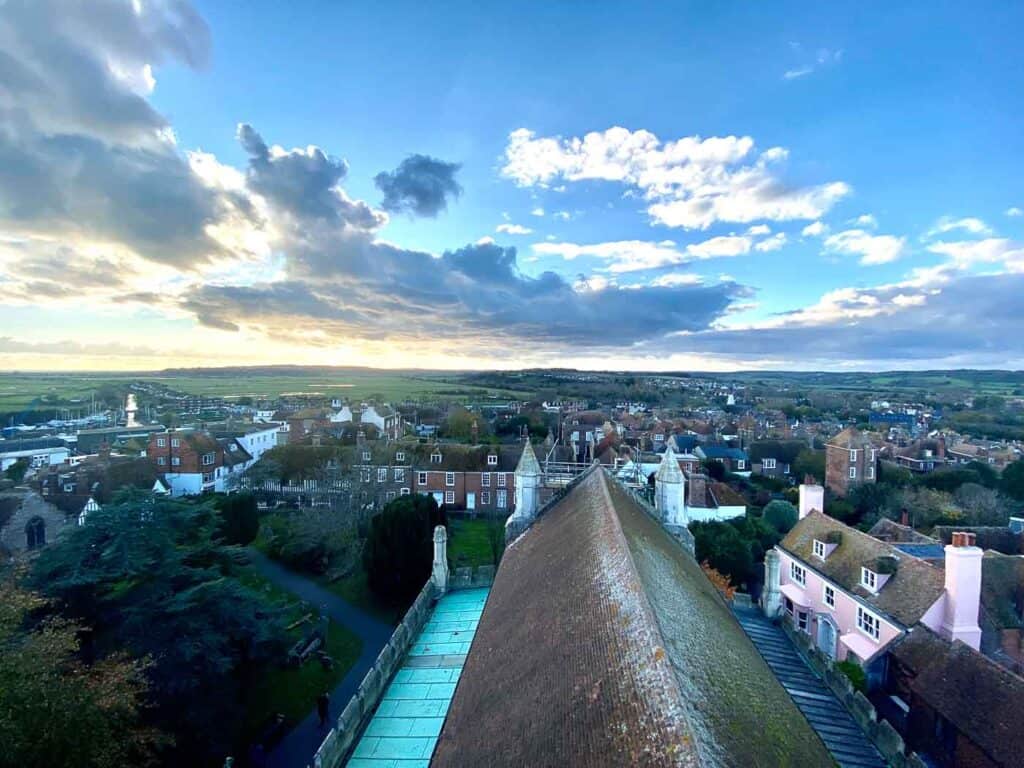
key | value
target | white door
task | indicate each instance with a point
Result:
(470, 501)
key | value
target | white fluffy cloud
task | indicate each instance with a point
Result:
(638, 255)
(1014, 211)
(513, 229)
(993, 250)
(872, 249)
(690, 182)
(773, 243)
(815, 229)
(969, 224)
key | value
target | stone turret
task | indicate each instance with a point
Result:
(440, 572)
(669, 490)
(527, 484)
(771, 596)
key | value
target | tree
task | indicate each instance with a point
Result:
(398, 552)
(781, 515)
(56, 711)
(723, 547)
(148, 575)
(925, 507)
(1013, 480)
(240, 521)
(17, 470)
(715, 469)
(869, 500)
(809, 462)
(981, 505)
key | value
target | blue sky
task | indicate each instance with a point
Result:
(894, 132)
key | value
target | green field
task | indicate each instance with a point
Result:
(45, 391)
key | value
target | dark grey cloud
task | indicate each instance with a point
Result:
(971, 320)
(303, 183)
(420, 184)
(83, 154)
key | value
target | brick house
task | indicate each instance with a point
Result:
(851, 459)
(774, 458)
(189, 461)
(473, 478)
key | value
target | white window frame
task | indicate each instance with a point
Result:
(364, 475)
(853, 473)
(382, 474)
(485, 497)
(798, 574)
(405, 492)
(741, 464)
(435, 458)
(161, 442)
(868, 623)
(366, 455)
(828, 595)
(175, 442)
(502, 499)
(161, 460)
(768, 464)
(501, 479)
(869, 473)
(853, 455)
(449, 497)
(868, 579)
(175, 461)
(820, 549)
(421, 478)
(492, 460)
(209, 459)
(399, 474)
(449, 478)
(485, 479)
(400, 456)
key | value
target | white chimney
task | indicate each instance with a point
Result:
(811, 497)
(963, 590)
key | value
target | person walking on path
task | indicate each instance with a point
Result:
(323, 703)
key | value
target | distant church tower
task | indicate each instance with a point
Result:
(669, 484)
(527, 484)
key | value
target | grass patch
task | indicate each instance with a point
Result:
(292, 691)
(355, 590)
(470, 543)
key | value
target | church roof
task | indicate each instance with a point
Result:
(614, 651)
(528, 461)
(669, 471)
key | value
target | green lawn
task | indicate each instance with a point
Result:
(469, 541)
(353, 589)
(292, 691)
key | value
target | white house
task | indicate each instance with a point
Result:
(683, 499)
(40, 453)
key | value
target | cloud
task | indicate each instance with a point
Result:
(513, 229)
(84, 157)
(690, 182)
(421, 185)
(538, 211)
(677, 278)
(873, 249)
(824, 57)
(1014, 211)
(759, 229)
(964, 254)
(638, 255)
(866, 220)
(773, 243)
(815, 229)
(562, 215)
(970, 224)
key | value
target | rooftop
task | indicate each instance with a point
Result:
(615, 651)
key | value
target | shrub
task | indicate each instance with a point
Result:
(240, 520)
(858, 678)
(398, 553)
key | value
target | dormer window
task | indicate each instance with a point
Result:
(435, 458)
(820, 549)
(492, 460)
(400, 456)
(768, 463)
(366, 455)
(869, 579)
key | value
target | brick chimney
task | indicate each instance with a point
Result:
(963, 590)
(811, 497)
(104, 451)
(904, 517)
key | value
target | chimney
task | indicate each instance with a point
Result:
(940, 450)
(904, 517)
(963, 590)
(811, 497)
(104, 451)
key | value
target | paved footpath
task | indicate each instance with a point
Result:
(297, 748)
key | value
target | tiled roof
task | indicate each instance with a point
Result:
(905, 597)
(981, 699)
(615, 651)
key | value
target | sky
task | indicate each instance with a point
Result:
(646, 186)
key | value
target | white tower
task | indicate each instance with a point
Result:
(130, 410)
(440, 570)
(527, 484)
(669, 490)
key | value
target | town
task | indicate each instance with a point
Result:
(862, 549)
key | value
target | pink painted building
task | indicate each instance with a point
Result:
(854, 594)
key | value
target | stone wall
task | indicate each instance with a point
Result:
(361, 706)
(882, 734)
